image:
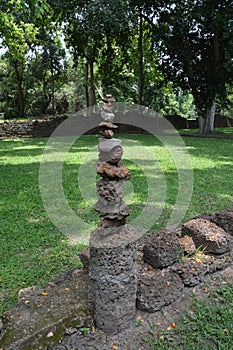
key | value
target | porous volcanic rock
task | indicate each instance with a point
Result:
(162, 250)
(187, 244)
(217, 262)
(224, 219)
(112, 171)
(113, 281)
(208, 236)
(157, 288)
(191, 272)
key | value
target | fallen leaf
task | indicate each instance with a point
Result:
(44, 293)
(67, 288)
(50, 334)
(159, 335)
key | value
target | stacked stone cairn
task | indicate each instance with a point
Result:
(113, 250)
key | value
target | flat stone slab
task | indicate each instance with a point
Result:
(208, 236)
(162, 250)
(157, 288)
(42, 314)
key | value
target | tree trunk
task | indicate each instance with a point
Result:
(210, 116)
(206, 123)
(19, 79)
(86, 83)
(92, 84)
(201, 123)
(141, 70)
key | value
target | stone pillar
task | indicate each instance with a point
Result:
(113, 267)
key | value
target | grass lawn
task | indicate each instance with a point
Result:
(228, 132)
(207, 326)
(33, 250)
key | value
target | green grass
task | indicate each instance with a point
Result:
(33, 250)
(228, 132)
(207, 326)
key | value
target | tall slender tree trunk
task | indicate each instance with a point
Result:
(201, 123)
(19, 79)
(92, 84)
(141, 59)
(86, 83)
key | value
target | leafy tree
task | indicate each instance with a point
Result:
(94, 32)
(19, 23)
(194, 41)
(46, 72)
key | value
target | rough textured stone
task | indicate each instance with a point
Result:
(208, 236)
(113, 281)
(112, 171)
(162, 250)
(157, 288)
(217, 263)
(108, 134)
(191, 272)
(187, 244)
(224, 219)
(110, 204)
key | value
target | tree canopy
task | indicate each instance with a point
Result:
(141, 51)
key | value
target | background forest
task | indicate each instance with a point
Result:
(58, 56)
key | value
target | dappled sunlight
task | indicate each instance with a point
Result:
(28, 238)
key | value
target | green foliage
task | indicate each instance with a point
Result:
(155, 53)
(18, 25)
(194, 44)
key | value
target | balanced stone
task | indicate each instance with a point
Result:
(111, 171)
(110, 150)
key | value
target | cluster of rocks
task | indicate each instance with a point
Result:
(172, 259)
